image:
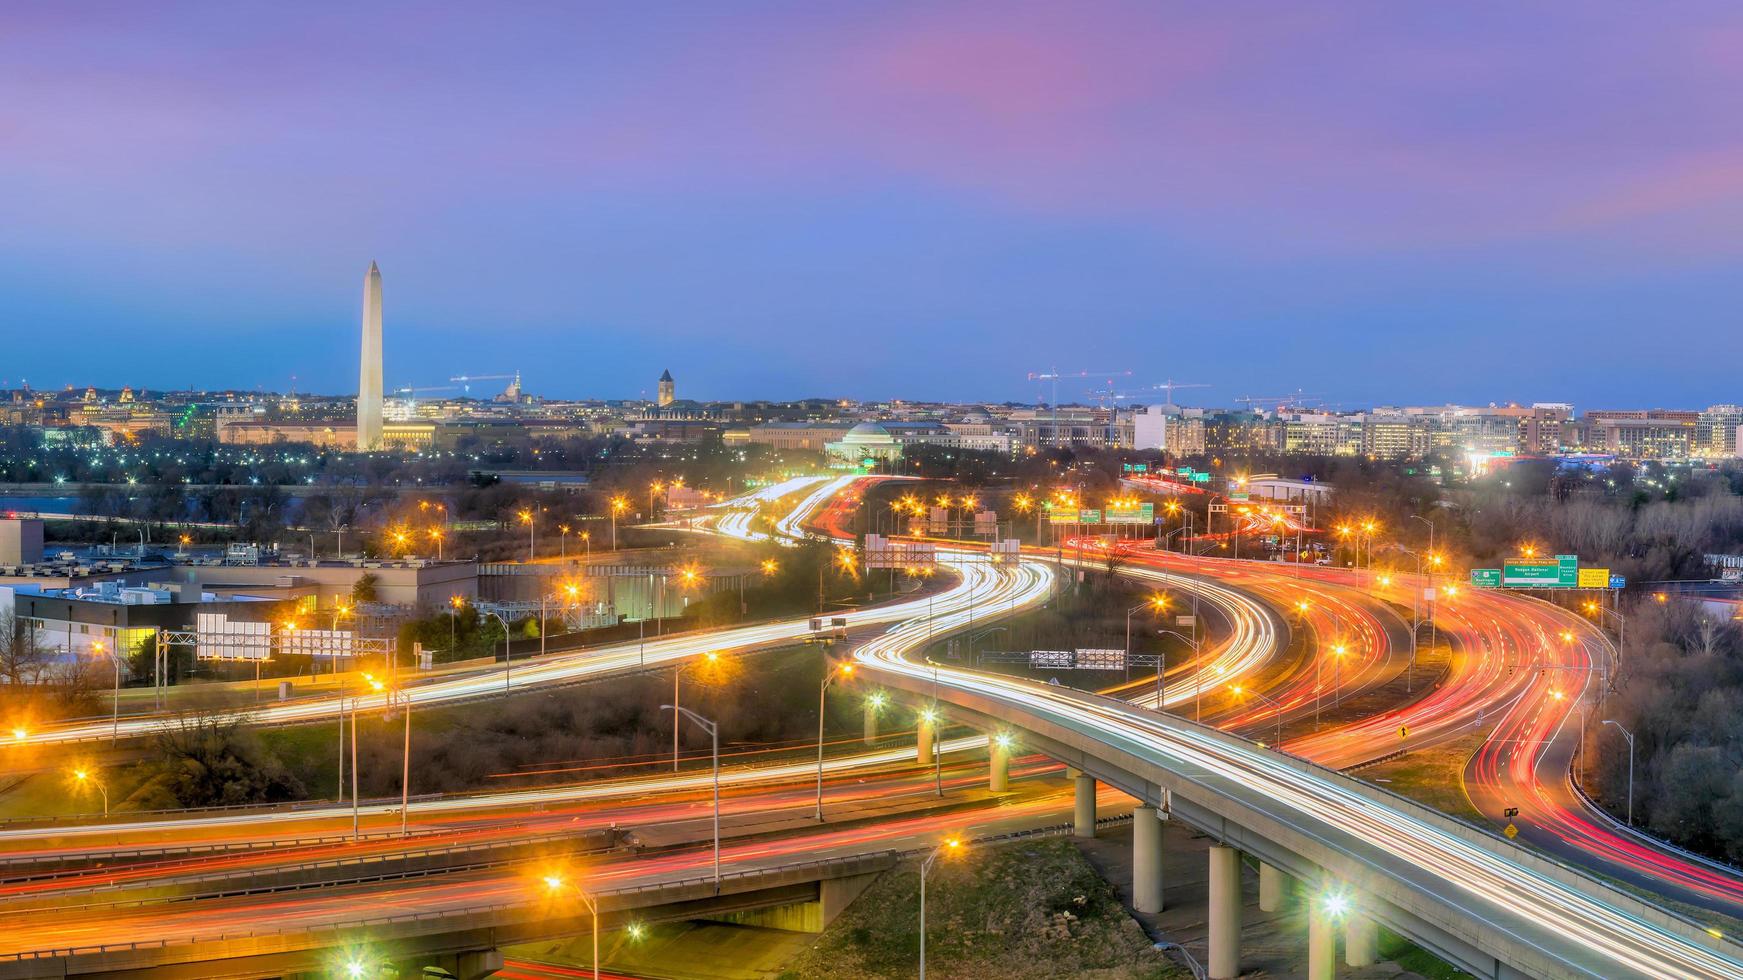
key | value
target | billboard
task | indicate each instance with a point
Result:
(218, 637)
(1594, 578)
(1485, 578)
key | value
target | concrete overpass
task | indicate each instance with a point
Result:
(466, 941)
(1482, 903)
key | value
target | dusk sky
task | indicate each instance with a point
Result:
(1378, 203)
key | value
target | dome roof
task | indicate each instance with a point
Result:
(867, 433)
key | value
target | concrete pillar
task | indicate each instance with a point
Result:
(998, 766)
(926, 733)
(1361, 940)
(871, 723)
(1273, 888)
(1146, 860)
(1085, 809)
(1322, 946)
(1225, 913)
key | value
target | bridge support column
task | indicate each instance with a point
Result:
(998, 778)
(1084, 812)
(1146, 859)
(1322, 946)
(871, 722)
(1361, 940)
(476, 965)
(1225, 913)
(1273, 888)
(926, 731)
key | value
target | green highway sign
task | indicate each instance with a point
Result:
(1561, 572)
(1486, 578)
(1143, 513)
(1089, 515)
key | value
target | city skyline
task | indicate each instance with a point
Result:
(1395, 205)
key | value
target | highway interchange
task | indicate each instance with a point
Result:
(1501, 676)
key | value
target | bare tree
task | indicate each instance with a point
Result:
(21, 659)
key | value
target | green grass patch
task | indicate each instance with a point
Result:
(1432, 776)
(1013, 912)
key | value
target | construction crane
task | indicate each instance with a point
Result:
(1110, 395)
(467, 379)
(1054, 375)
(1278, 402)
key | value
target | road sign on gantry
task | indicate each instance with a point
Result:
(1486, 578)
(1527, 574)
(1594, 578)
(1141, 513)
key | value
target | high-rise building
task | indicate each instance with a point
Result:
(668, 389)
(369, 365)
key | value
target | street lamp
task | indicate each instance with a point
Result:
(436, 536)
(1338, 674)
(85, 778)
(949, 846)
(405, 775)
(1630, 737)
(527, 517)
(710, 659)
(555, 883)
(1277, 710)
(713, 731)
(1162, 664)
(842, 670)
(618, 506)
(1156, 602)
(98, 648)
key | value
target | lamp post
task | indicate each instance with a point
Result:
(1162, 665)
(949, 846)
(710, 658)
(1630, 737)
(1276, 709)
(85, 778)
(507, 652)
(405, 776)
(1156, 602)
(556, 883)
(713, 731)
(563, 545)
(840, 670)
(1338, 675)
(618, 505)
(98, 647)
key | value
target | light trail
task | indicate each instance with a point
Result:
(1586, 935)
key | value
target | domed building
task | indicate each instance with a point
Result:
(867, 440)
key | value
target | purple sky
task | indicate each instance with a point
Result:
(1373, 202)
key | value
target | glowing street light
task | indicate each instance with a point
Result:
(84, 778)
(843, 671)
(950, 845)
(554, 883)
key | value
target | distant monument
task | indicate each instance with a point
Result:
(369, 367)
(668, 389)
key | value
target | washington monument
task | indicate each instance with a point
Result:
(369, 366)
